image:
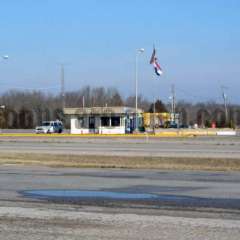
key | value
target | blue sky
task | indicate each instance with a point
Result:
(198, 46)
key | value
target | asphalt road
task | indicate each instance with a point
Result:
(215, 185)
(27, 217)
(221, 147)
(189, 205)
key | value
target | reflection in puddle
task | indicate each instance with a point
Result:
(112, 197)
(88, 194)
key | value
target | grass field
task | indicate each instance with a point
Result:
(170, 163)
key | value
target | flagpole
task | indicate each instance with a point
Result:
(154, 112)
(158, 71)
(154, 102)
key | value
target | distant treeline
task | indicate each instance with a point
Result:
(26, 109)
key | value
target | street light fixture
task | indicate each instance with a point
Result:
(5, 57)
(138, 52)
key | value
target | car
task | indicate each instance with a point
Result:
(184, 126)
(50, 127)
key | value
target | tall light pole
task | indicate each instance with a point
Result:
(138, 51)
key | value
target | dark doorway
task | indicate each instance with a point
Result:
(91, 122)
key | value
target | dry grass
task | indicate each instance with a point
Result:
(83, 161)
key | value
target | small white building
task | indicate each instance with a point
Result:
(103, 120)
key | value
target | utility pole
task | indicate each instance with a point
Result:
(173, 98)
(62, 86)
(83, 102)
(224, 95)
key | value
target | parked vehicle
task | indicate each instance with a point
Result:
(50, 127)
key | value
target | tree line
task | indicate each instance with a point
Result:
(26, 109)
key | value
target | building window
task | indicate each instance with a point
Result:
(105, 121)
(80, 122)
(115, 121)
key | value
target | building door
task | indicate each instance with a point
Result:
(129, 124)
(91, 123)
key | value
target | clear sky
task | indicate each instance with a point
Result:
(198, 45)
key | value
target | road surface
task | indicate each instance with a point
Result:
(28, 217)
(220, 147)
(189, 204)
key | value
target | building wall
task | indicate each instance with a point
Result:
(80, 125)
(75, 129)
(112, 130)
(155, 119)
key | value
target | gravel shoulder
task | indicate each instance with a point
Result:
(39, 223)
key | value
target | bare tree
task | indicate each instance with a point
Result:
(26, 109)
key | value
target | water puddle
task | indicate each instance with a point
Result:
(87, 194)
(114, 197)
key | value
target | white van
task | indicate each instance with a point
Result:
(50, 127)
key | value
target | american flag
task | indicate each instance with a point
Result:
(156, 65)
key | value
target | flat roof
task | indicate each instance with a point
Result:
(100, 110)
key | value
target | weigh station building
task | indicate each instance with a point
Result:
(103, 120)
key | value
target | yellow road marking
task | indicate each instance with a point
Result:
(160, 134)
